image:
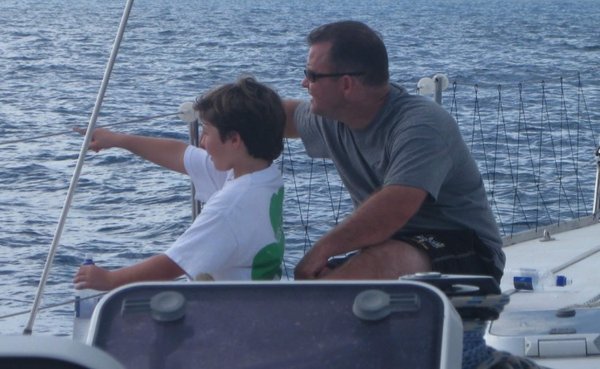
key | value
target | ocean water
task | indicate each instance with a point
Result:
(53, 55)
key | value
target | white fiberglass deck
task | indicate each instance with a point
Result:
(529, 325)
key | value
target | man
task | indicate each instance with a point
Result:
(420, 203)
(238, 235)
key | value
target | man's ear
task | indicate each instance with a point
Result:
(348, 84)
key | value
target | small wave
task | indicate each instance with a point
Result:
(591, 48)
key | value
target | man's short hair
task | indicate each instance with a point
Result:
(355, 47)
(249, 108)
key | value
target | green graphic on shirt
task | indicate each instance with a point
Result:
(267, 262)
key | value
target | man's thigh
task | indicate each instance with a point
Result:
(454, 252)
(387, 260)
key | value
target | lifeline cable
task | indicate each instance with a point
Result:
(102, 126)
(51, 306)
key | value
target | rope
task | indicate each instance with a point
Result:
(475, 351)
(594, 302)
(550, 148)
(492, 84)
(144, 119)
(575, 260)
(47, 307)
(334, 210)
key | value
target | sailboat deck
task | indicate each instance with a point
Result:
(554, 325)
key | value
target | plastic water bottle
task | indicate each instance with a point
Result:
(533, 280)
(84, 304)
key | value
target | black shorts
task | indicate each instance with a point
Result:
(454, 252)
(450, 252)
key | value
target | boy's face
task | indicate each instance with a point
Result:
(221, 153)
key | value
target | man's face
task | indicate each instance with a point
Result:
(325, 91)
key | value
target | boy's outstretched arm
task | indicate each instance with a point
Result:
(162, 151)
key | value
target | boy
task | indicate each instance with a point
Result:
(238, 235)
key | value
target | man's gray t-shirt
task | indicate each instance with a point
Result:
(411, 142)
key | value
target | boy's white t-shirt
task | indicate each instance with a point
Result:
(238, 235)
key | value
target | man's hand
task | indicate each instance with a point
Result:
(313, 265)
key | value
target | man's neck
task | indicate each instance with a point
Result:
(361, 112)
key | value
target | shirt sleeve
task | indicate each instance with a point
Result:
(309, 127)
(205, 177)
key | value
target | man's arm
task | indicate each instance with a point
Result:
(162, 151)
(375, 221)
(156, 268)
(290, 123)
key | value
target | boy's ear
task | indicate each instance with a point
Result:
(235, 138)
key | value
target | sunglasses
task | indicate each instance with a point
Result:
(314, 76)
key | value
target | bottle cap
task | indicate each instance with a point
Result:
(87, 260)
(561, 280)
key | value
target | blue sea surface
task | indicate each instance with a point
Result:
(53, 55)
